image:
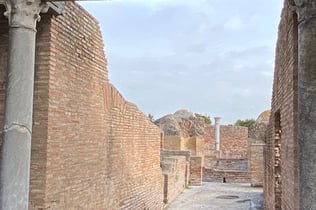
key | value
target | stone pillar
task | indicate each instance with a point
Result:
(16, 147)
(306, 10)
(217, 133)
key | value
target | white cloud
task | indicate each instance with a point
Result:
(234, 24)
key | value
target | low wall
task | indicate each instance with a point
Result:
(211, 175)
(174, 171)
(256, 164)
(196, 171)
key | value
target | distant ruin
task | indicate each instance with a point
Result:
(91, 149)
(226, 153)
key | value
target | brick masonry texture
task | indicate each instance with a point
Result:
(90, 148)
(233, 141)
(196, 170)
(284, 101)
(213, 175)
(175, 177)
(256, 164)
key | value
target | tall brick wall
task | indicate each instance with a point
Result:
(284, 102)
(90, 148)
(233, 141)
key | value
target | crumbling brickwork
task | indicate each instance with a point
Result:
(90, 148)
(233, 141)
(256, 164)
(281, 177)
(174, 171)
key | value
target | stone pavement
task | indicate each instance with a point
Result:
(219, 196)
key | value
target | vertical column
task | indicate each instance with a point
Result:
(217, 133)
(306, 10)
(16, 147)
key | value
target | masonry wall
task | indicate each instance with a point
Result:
(226, 176)
(196, 172)
(284, 101)
(174, 177)
(256, 164)
(172, 142)
(233, 141)
(90, 148)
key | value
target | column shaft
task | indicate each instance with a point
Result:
(16, 148)
(307, 112)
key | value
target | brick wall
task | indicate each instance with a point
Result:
(256, 164)
(233, 141)
(172, 142)
(196, 170)
(90, 148)
(213, 175)
(284, 102)
(174, 176)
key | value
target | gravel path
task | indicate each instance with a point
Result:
(219, 196)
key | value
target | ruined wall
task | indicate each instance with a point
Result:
(172, 142)
(90, 148)
(233, 141)
(283, 192)
(256, 164)
(174, 171)
(196, 171)
(225, 176)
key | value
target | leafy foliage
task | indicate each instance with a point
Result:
(245, 123)
(151, 117)
(206, 118)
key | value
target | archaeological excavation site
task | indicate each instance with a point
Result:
(71, 141)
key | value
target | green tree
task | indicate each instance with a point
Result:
(151, 117)
(206, 118)
(245, 123)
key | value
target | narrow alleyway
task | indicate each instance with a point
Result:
(219, 196)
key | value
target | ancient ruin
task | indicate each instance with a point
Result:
(90, 149)
(225, 152)
(76, 143)
(290, 156)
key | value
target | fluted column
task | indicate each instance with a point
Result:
(306, 10)
(16, 148)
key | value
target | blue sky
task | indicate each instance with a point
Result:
(212, 57)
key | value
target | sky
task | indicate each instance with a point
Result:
(213, 57)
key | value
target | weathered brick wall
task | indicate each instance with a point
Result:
(90, 148)
(284, 101)
(256, 164)
(172, 142)
(174, 177)
(186, 154)
(213, 175)
(233, 141)
(196, 170)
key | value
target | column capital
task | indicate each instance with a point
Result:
(306, 9)
(24, 13)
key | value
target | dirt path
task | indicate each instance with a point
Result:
(219, 196)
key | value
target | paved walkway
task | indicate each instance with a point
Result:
(219, 196)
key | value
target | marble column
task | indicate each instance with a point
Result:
(16, 148)
(306, 10)
(217, 133)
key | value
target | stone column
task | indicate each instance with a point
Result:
(16, 147)
(306, 10)
(217, 133)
